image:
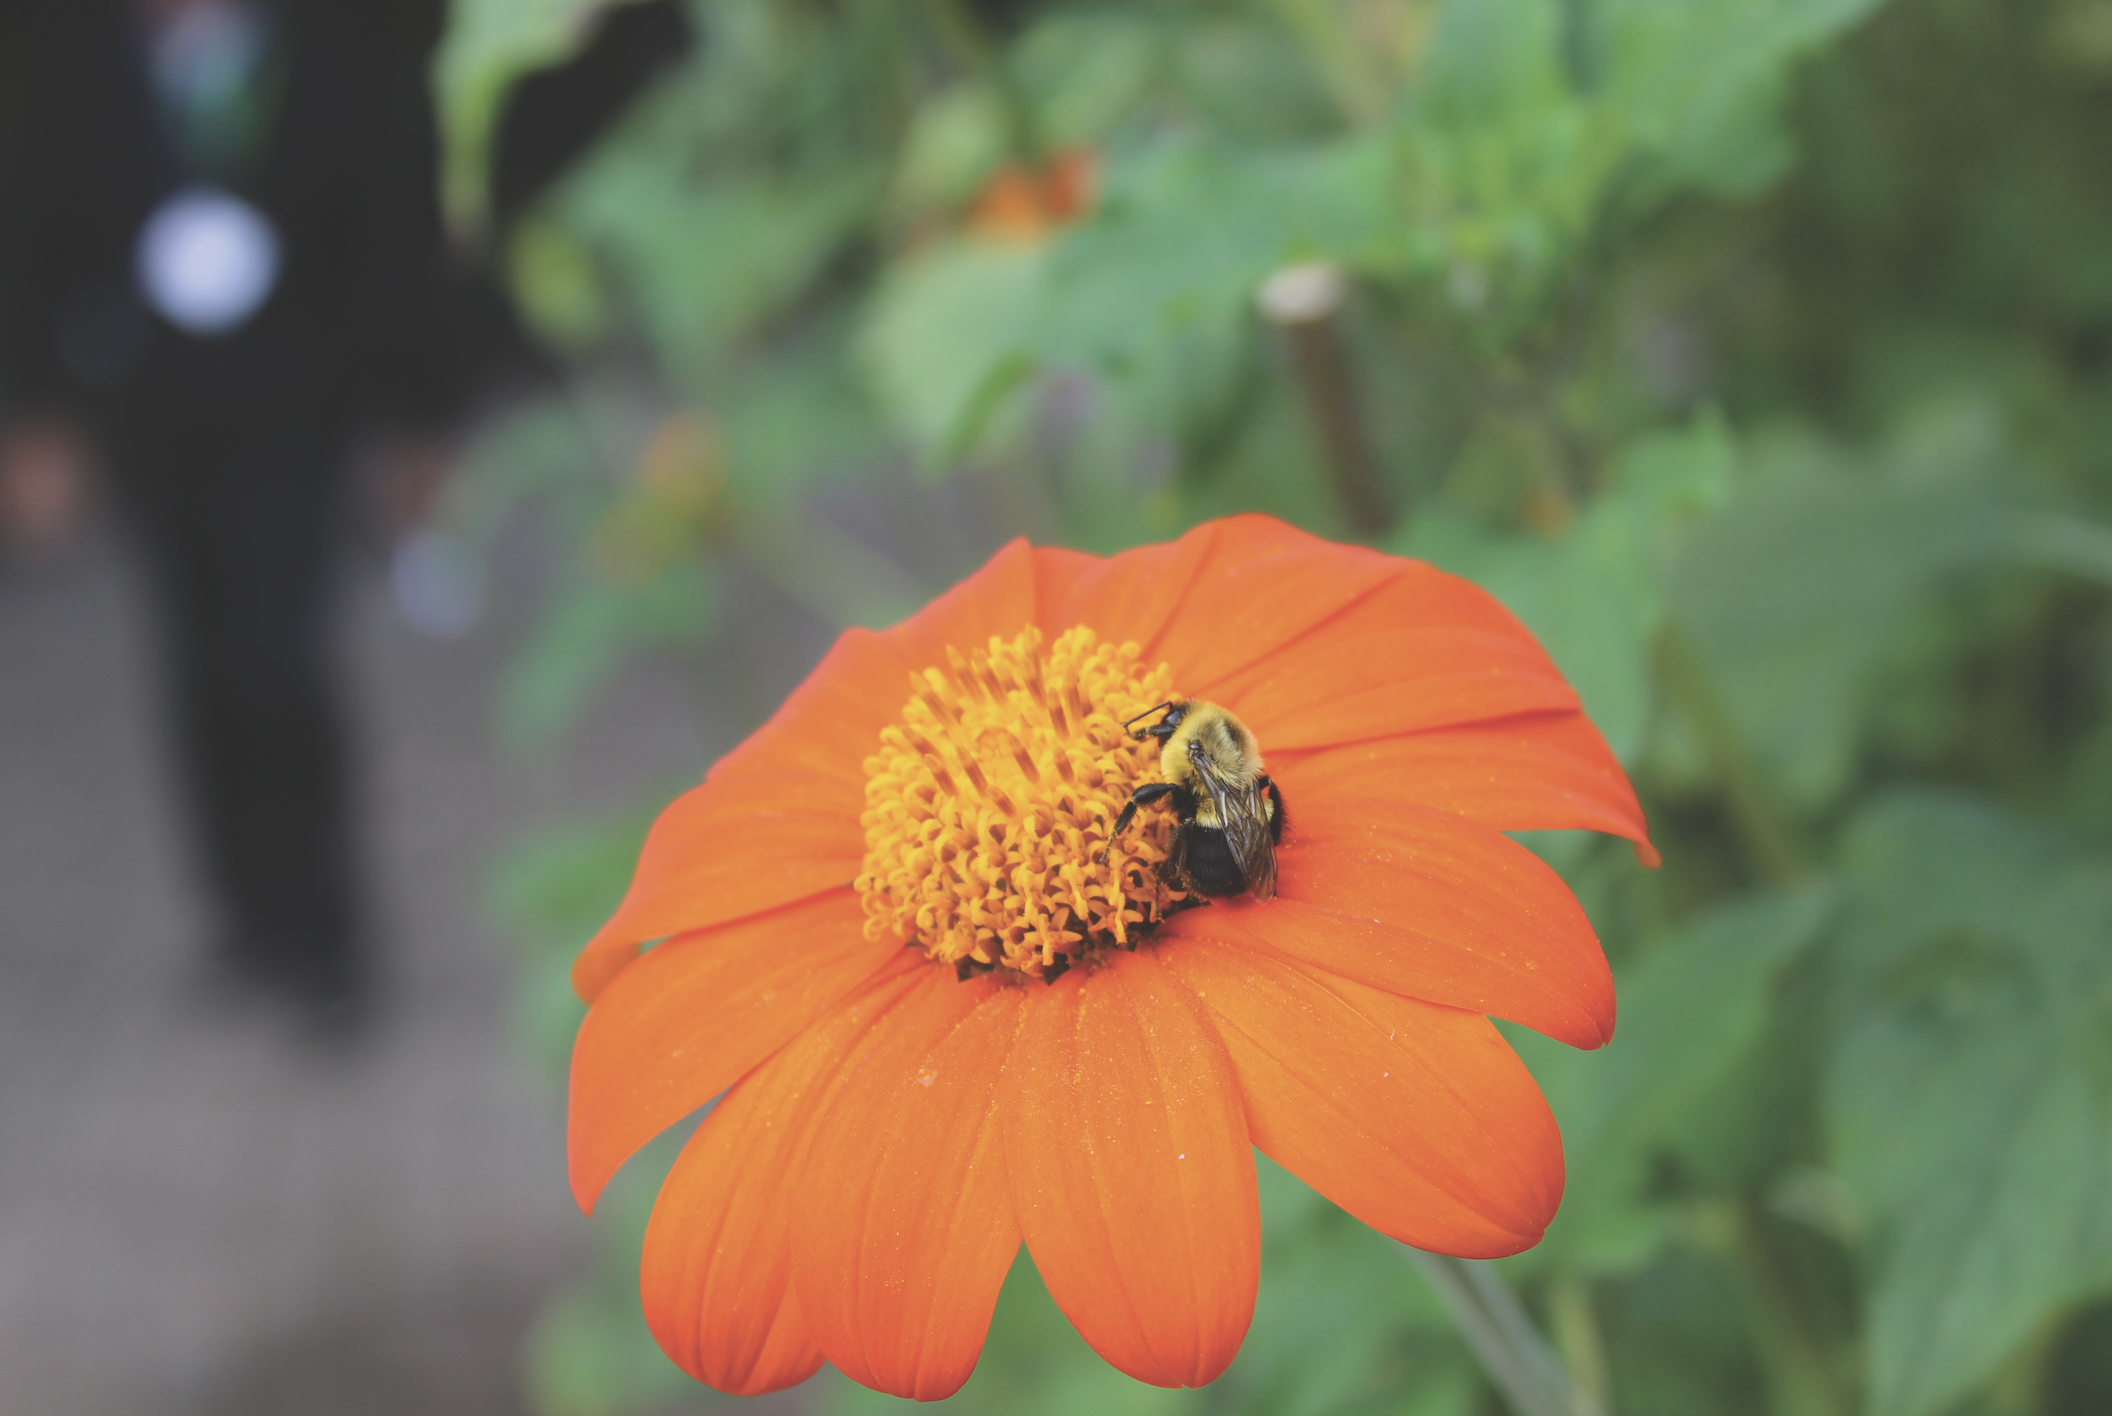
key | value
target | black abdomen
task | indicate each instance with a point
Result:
(1207, 859)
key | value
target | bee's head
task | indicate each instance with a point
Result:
(1165, 726)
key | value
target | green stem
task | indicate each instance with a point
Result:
(1761, 824)
(1802, 1380)
(1577, 1338)
(1500, 1334)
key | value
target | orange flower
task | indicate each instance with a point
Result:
(1007, 1027)
(1025, 204)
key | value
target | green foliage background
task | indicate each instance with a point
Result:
(1758, 353)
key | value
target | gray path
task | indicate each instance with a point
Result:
(197, 1215)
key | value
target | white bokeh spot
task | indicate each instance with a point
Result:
(207, 260)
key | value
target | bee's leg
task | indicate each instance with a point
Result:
(1142, 796)
(1174, 869)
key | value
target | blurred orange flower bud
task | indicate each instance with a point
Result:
(1025, 204)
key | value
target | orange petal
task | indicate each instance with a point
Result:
(1418, 1120)
(1127, 598)
(1132, 1171)
(1057, 572)
(830, 724)
(605, 956)
(905, 1227)
(709, 861)
(716, 1272)
(683, 1023)
(1399, 681)
(1425, 905)
(1258, 586)
(775, 822)
(1423, 650)
(1544, 771)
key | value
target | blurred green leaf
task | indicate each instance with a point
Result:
(1970, 1098)
(1155, 294)
(1230, 70)
(587, 629)
(953, 141)
(1506, 163)
(1494, 60)
(795, 418)
(1693, 1007)
(710, 260)
(1086, 68)
(1152, 295)
(1033, 1363)
(1792, 590)
(552, 888)
(590, 1352)
(553, 276)
(1594, 594)
(489, 44)
(947, 339)
(1342, 1323)
(1703, 82)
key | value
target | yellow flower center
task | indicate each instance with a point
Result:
(989, 808)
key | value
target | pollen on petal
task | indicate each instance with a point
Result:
(990, 808)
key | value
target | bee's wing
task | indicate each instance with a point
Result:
(1244, 813)
(1250, 841)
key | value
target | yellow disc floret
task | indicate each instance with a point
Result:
(989, 806)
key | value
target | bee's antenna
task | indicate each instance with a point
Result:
(1148, 712)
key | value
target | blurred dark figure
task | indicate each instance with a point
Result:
(220, 248)
(221, 251)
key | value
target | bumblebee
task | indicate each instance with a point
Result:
(1230, 813)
